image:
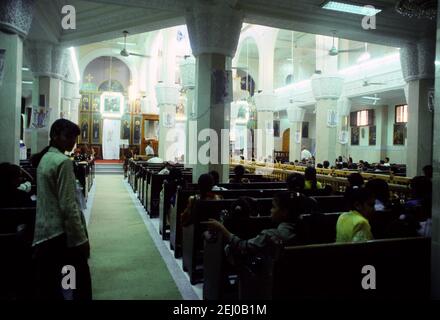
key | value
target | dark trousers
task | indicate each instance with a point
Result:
(50, 258)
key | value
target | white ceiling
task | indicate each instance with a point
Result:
(99, 20)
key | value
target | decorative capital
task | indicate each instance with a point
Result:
(47, 60)
(16, 16)
(213, 27)
(167, 94)
(188, 71)
(265, 101)
(295, 114)
(417, 60)
(327, 86)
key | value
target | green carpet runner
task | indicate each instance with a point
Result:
(124, 263)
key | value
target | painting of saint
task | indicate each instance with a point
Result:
(354, 136)
(126, 130)
(276, 128)
(85, 131)
(137, 132)
(96, 103)
(96, 128)
(85, 103)
(332, 118)
(305, 129)
(372, 136)
(112, 104)
(180, 110)
(399, 134)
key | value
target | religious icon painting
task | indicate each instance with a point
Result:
(343, 137)
(276, 128)
(96, 103)
(85, 128)
(399, 134)
(354, 136)
(298, 137)
(96, 128)
(125, 128)
(113, 104)
(372, 136)
(137, 125)
(332, 118)
(2, 64)
(169, 119)
(85, 102)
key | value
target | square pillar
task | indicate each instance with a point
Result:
(10, 93)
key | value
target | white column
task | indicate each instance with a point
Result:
(15, 22)
(296, 118)
(167, 98)
(418, 71)
(48, 63)
(187, 74)
(10, 91)
(214, 29)
(264, 134)
(326, 90)
(342, 134)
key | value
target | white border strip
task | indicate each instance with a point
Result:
(181, 279)
(89, 204)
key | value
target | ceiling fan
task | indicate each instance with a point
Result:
(375, 98)
(292, 100)
(124, 51)
(367, 83)
(335, 51)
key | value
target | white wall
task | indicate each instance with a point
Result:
(397, 154)
(384, 146)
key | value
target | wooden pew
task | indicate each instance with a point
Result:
(327, 204)
(16, 236)
(192, 241)
(182, 202)
(216, 270)
(335, 271)
(153, 189)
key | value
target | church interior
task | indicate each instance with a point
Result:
(222, 149)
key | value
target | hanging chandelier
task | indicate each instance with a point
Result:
(417, 8)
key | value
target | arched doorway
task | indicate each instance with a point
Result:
(286, 140)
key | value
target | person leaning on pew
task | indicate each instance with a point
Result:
(286, 210)
(11, 195)
(205, 182)
(354, 226)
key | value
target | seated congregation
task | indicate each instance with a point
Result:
(258, 238)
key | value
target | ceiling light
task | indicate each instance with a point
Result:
(128, 43)
(25, 69)
(371, 98)
(28, 82)
(351, 8)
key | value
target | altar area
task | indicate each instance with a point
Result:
(112, 112)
